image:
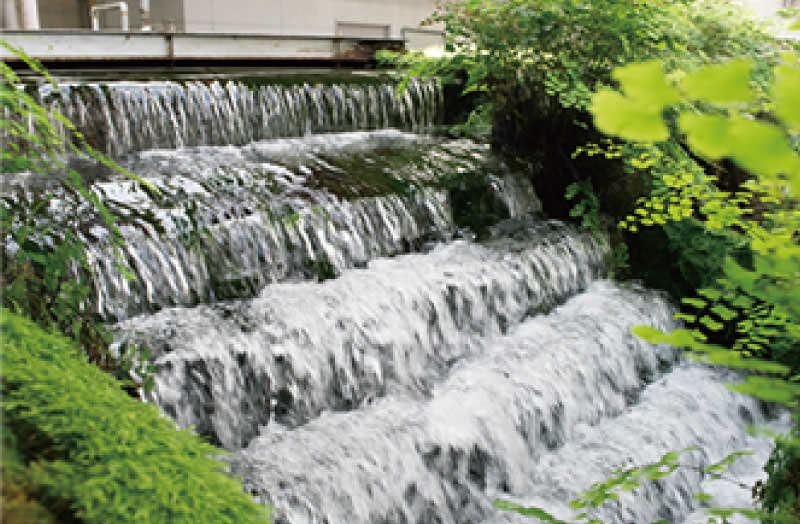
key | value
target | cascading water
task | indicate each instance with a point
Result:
(123, 117)
(312, 304)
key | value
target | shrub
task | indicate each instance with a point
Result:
(95, 453)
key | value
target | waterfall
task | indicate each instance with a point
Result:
(310, 302)
(123, 117)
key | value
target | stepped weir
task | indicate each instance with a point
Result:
(311, 303)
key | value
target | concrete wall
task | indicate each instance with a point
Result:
(305, 17)
(64, 14)
(167, 15)
(365, 18)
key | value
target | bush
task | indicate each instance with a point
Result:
(533, 66)
(94, 453)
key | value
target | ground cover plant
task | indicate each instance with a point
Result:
(89, 452)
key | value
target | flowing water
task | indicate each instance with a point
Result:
(312, 303)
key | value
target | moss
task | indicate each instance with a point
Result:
(108, 457)
(356, 176)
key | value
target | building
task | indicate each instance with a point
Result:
(393, 19)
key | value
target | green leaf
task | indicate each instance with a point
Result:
(761, 147)
(770, 389)
(723, 312)
(697, 303)
(646, 85)
(710, 293)
(650, 334)
(617, 115)
(722, 84)
(707, 135)
(539, 513)
(703, 497)
(786, 95)
(710, 323)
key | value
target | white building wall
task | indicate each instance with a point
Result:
(304, 17)
(767, 10)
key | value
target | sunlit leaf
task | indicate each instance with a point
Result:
(761, 147)
(645, 84)
(706, 134)
(617, 115)
(721, 84)
(650, 334)
(786, 95)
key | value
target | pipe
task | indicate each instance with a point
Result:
(123, 12)
(144, 9)
(30, 14)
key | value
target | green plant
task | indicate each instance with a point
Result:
(562, 49)
(765, 291)
(723, 113)
(44, 272)
(722, 117)
(93, 452)
(530, 68)
(588, 205)
(628, 479)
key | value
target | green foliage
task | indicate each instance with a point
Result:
(93, 451)
(44, 273)
(19, 503)
(764, 295)
(629, 479)
(459, 70)
(722, 117)
(568, 46)
(588, 207)
(532, 66)
(780, 493)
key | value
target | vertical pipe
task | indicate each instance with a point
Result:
(30, 14)
(123, 14)
(144, 8)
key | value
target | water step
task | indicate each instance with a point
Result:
(223, 222)
(688, 407)
(408, 459)
(122, 117)
(301, 347)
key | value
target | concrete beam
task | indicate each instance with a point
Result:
(66, 45)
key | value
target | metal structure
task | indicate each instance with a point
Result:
(123, 12)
